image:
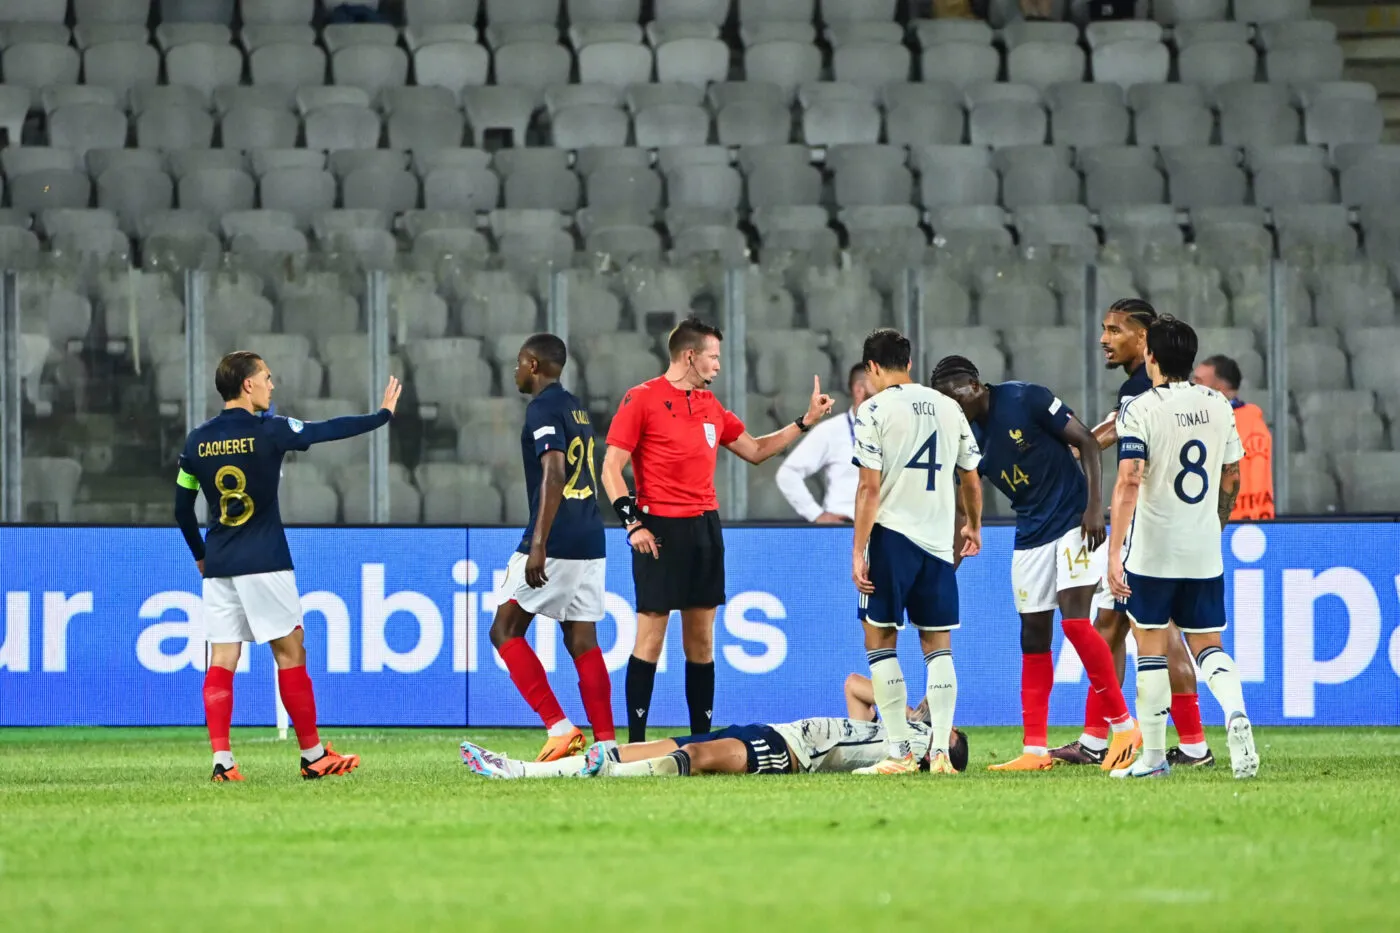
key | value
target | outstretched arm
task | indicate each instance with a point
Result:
(758, 449)
(337, 429)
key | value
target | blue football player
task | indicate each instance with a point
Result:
(250, 591)
(1025, 434)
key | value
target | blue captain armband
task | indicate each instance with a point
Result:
(1132, 448)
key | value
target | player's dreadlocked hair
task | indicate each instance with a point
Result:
(951, 367)
(1141, 312)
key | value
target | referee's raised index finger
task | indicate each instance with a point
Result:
(816, 384)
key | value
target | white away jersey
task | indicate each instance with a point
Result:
(915, 436)
(834, 744)
(1186, 433)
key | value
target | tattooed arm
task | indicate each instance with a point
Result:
(1229, 492)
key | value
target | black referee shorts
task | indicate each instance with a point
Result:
(689, 574)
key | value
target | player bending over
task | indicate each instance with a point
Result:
(808, 746)
(902, 554)
(558, 569)
(1023, 431)
(1175, 442)
(250, 591)
(1124, 344)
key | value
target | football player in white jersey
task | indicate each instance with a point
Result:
(910, 442)
(828, 744)
(1178, 477)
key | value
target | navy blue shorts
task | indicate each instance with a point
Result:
(768, 752)
(908, 580)
(1194, 605)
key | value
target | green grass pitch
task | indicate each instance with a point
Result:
(118, 829)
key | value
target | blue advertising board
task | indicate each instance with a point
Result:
(101, 626)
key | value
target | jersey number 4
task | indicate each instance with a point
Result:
(1193, 463)
(924, 459)
(577, 457)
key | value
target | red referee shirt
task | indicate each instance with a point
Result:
(674, 437)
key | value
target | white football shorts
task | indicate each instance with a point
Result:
(574, 592)
(258, 607)
(1040, 574)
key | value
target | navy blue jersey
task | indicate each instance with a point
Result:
(1026, 456)
(235, 459)
(557, 420)
(1137, 383)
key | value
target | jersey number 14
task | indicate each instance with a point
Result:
(924, 459)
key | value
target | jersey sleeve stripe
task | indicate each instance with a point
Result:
(186, 480)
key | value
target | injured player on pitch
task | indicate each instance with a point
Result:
(827, 744)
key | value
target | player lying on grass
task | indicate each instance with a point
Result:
(250, 591)
(824, 744)
(1025, 433)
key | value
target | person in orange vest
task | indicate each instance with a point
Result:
(1256, 499)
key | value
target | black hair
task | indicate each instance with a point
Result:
(1227, 369)
(887, 348)
(1140, 312)
(1172, 344)
(951, 367)
(957, 752)
(547, 348)
(857, 372)
(233, 369)
(690, 334)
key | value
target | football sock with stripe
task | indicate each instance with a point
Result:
(299, 698)
(641, 678)
(595, 689)
(560, 767)
(1223, 679)
(527, 673)
(700, 695)
(1037, 677)
(942, 693)
(218, 711)
(891, 698)
(1186, 714)
(1154, 698)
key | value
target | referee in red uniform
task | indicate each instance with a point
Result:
(670, 429)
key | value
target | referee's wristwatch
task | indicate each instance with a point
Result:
(802, 425)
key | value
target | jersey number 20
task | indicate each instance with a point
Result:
(924, 460)
(1193, 463)
(577, 456)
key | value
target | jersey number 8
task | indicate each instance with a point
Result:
(236, 493)
(577, 456)
(1193, 463)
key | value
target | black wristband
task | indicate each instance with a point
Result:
(634, 531)
(804, 428)
(626, 509)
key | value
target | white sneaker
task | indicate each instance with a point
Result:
(489, 764)
(1244, 760)
(598, 760)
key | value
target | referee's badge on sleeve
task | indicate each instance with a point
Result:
(709, 434)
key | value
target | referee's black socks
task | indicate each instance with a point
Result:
(700, 695)
(641, 677)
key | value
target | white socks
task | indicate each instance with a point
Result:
(1093, 743)
(311, 754)
(676, 764)
(224, 758)
(561, 728)
(1154, 700)
(563, 767)
(892, 699)
(942, 693)
(1223, 679)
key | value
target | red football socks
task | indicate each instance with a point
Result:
(595, 687)
(527, 673)
(294, 684)
(218, 706)
(1186, 714)
(1037, 677)
(1106, 701)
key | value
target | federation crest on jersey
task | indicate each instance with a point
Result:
(295, 425)
(709, 434)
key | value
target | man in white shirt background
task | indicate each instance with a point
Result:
(827, 449)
